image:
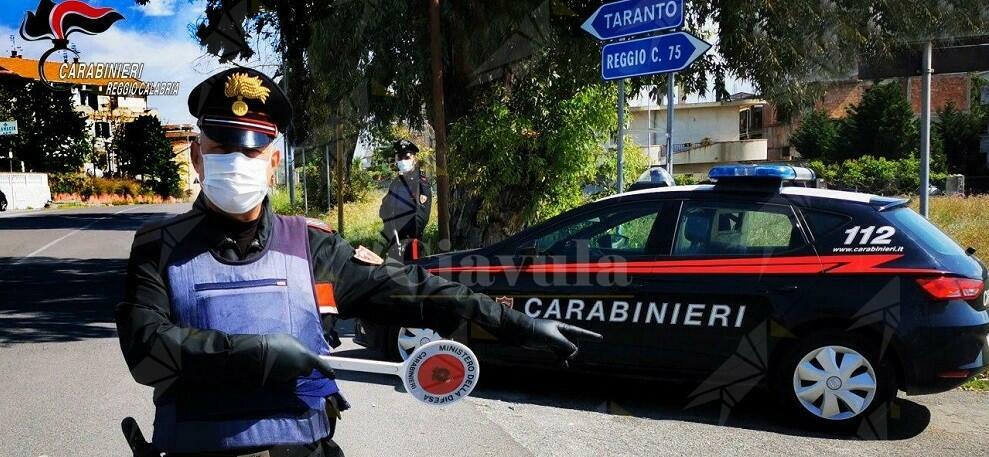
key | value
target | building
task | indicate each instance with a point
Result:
(181, 136)
(742, 129)
(747, 129)
(104, 112)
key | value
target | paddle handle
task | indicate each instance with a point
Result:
(363, 365)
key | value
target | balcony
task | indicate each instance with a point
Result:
(700, 157)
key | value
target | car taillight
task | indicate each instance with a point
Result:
(944, 288)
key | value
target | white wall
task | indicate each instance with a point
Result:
(25, 190)
(690, 125)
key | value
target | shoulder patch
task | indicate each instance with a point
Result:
(319, 225)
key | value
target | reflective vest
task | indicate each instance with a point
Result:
(272, 293)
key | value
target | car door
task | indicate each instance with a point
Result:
(733, 262)
(573, 271)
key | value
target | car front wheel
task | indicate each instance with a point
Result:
(833, 380)
(406, 340)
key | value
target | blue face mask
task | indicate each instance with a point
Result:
(405, 166)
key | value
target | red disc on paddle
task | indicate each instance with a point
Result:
(441, 374)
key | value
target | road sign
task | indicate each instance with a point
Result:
(651, 55)
(8, 128)
(632, 17)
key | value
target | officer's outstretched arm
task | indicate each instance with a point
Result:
(160, 353)
(392, 293)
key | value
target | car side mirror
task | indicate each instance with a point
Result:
(612, 241)
(527, 249)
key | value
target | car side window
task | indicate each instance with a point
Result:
(629, 231)
(736, 229)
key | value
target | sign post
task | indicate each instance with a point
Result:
(925, 129)
(621, 135)
(10, 128)
(669, 123)
(651, 55)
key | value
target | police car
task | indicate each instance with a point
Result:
(837, 299)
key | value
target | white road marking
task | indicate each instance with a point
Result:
(54, 242)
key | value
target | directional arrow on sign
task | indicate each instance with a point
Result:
(652, 55)
(632, 17)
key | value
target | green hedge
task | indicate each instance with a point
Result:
(875, 175)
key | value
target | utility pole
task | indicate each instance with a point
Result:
(620, 143)
(329, 179)
(439, 127)
(289, 157)
(669, 123)
(925, 128)
(339, 146)
(305, 190)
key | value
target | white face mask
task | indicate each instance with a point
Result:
(404, 166)
(234, 182)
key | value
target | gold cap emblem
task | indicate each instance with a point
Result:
(242, 85)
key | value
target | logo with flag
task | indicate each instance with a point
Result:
(55, 22)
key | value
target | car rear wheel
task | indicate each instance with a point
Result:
(833, 380)
(405, 340)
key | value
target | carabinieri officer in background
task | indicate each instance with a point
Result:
(405, 208)
(221, 313)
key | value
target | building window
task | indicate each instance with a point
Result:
(750, 123)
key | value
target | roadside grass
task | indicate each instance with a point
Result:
(966, 220)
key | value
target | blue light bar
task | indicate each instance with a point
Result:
(783, 172)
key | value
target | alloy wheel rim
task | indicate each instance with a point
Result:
(410, 339)
(834, 383)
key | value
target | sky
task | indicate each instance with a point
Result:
(157, 35)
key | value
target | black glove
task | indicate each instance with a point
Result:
(555, 336)
(285, 359)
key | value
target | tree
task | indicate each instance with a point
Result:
(144, 152)
(816, 137)
(881, 125)
(958, 133)
(782, 48)
(368, 62)
(513, 166)
(52, 136)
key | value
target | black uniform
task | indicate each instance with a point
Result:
(405, 208)
(190, 363)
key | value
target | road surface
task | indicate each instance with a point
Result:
(64, 386)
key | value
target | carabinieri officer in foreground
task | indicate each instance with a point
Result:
(221, 314)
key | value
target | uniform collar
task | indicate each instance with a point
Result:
(215, 223)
